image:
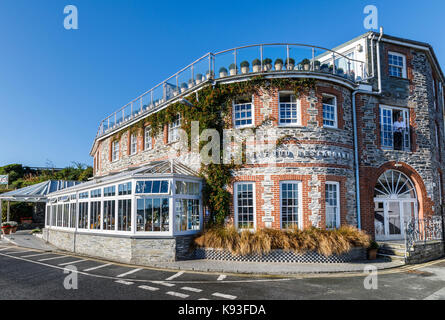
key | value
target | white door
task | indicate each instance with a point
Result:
(395, 205)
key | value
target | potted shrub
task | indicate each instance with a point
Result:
(372, 250)
(340, 72)
(324, 67)
(306, 63)
(222, 72)
(198, 78)
(209, 74)
(191, 83)
(331, 69)
(256, 65)
(244, 67)
(14, 226)
(290, 64)
(6, 227)
(183, 87)
(278, 64)
(233, 69)
(267, 64)
(317, 65)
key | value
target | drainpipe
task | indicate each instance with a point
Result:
(354, 119)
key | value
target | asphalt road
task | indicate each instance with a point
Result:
(30, 274)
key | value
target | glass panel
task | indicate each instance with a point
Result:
(156, 215)
(124, 215)
(109, 215)
(83, 215)
(379, 219)
(165, 215)
(394, 226)
(95, 215)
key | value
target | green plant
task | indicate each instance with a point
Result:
(373, 245)
(326, 242)
(244, 64)
(184, 85)
(290, 61)
(324, 66)
(305, 61)
(279, 61)
(6, 225)
(36, 231)
(267, 61)
(222, 69)
(199, 76)
(340, 71)
(232, 67)
(256, 62)
(317, 63)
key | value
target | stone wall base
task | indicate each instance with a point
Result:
(424, 252)
(124, 249)
(282, 256)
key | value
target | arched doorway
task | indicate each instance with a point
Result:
(396, 203)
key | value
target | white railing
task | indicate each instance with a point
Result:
(277, 57)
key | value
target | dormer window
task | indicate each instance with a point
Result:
(396, 65)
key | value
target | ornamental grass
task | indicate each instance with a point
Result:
(325, 242)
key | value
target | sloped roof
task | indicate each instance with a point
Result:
(37, 192)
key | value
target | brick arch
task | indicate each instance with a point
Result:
(425, 205)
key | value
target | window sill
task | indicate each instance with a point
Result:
(332, 128)
(293, 126)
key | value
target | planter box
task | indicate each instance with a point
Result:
(6, 230)
(282, 256)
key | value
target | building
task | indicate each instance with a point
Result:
(358, 136)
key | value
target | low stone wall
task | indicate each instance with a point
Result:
(125, 249)
(423, 252)
(282, 256)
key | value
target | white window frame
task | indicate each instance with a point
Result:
(337, 217)
(392, 65)
(405, 111)
(300, 202)
(252, 115)
(115, 146)
(133, 144)
(297, 105)
(148, 142)
(235, 204)
(335, 125)
(173, 128)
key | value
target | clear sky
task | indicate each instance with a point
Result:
(56, 85)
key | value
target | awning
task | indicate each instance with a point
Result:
(37, 192)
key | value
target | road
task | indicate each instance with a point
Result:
(31, 274)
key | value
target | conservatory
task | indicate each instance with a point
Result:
(157, 201)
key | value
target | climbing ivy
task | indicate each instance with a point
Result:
(212, 107)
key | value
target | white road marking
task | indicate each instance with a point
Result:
(203, 299)
(129, 272)
(36, 255)
(438, 295)
(72, 262)
(127, 283)
(225, 296)
(149, 288)
(21, 251)
(175, 276)
(53, 258)
(191, 289)
(162, 283)
(222, 277)
(98, 267)
(177, 294)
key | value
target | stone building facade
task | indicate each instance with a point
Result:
(362, 147)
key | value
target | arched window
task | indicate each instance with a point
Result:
(394, 185)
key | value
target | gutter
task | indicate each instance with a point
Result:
(354, 119)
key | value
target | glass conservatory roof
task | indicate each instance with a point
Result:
(37, 192)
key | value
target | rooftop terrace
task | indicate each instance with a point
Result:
(277, 58)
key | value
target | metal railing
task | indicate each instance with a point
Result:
(276, 57)
(423, 230)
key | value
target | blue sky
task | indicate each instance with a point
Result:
(56, 85)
